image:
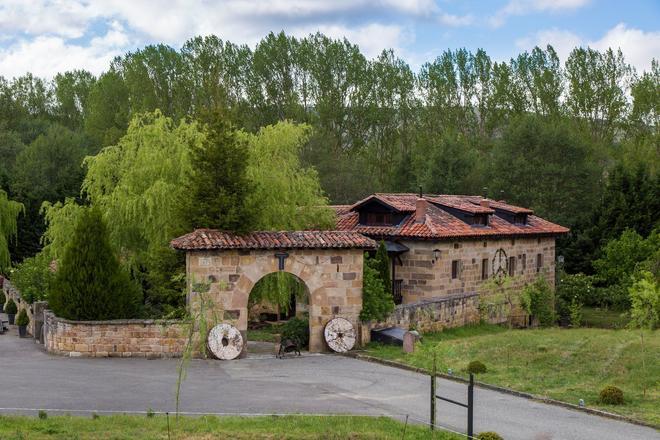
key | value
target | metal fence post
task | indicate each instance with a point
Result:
(433, 394)
(470, 407)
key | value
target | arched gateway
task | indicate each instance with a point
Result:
(328, 262)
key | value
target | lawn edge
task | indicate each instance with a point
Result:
(534, 397)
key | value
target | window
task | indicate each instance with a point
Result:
(480, 220)
(484, 269)
(512, 266)
(524, 262)
(455, 269)
(378, 219)
(520, 219)
(539, 262)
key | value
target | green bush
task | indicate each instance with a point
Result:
(10, 307)
(377, 303)
(611, 395)
(22, 318)
(43, 415)
(90, 284)
(489, 435)
(297, 330)
(3, 298)
(33, 277)
(539, 300)
(476, 367)
(574, 290)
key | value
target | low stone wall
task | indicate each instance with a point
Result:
(12, 292)
(116, 338)
(435, 314)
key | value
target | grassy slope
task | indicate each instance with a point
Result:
(209, 427)
(562, 364)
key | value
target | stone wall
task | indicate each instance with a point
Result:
(11, 292)
(116, 338)
(424, 278)
(333, 278)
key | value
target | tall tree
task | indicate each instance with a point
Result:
(9, 211)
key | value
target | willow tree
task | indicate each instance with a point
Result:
(138, 186)
(286, 195)
(9, 211)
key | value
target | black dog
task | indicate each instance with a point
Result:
(288, 346)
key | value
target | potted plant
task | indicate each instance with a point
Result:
(22, 322)
(10, 310)
(2, 301)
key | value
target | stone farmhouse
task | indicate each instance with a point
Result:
(449, 245)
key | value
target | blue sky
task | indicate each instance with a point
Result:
(46, 36)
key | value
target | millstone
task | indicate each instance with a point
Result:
(340, 335)
(225, 342)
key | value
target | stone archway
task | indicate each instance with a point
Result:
(328, 262)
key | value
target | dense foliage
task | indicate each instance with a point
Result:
(539, 300)
(280, 129)
(22, 318)
(377, 302)
(645, 302)
(90, 284)
(296, 330)
(611, 395)
(381, 262)
(10, 307)
(33, 277)
(9, 211)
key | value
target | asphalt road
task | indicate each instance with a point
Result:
(30, 380)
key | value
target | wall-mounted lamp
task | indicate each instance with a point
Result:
(436, 255)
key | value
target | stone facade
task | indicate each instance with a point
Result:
(425, 278)
(116, 338)
(333, 278)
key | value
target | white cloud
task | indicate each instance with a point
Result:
(455, 20)
(523, 7)
(37, 17)
(45, 56)
(638, 47)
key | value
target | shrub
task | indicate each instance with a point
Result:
(611, 395)
(33, 277)
(11, 308)
(539, 300)
(476, 367)
(3, 298)
(377, 303)
(43, 415)
(297, 330)
(90, 284)
(645, 301)
(150, 413)
(489, 435)
(574, 291)
(22, 318)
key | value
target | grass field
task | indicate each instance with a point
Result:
(122, 427)
(563, 364)
(603, 318)
(265, 334)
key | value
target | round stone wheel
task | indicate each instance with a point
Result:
(225, 342)
(339, 335)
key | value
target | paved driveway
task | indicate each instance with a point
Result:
(31, 379)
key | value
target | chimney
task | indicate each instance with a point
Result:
(420, 210)
(485, 203)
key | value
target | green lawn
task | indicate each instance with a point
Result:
(603, 318)
(563, 364)
(118, 427)
(265, 334)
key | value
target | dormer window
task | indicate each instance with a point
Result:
(480, 220)
(379, 219)
(520, 219)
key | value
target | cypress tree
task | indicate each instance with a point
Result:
(218, 185)
(90, 284)
(382, 264)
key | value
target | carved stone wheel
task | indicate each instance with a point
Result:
(340, 335)
(225, 342)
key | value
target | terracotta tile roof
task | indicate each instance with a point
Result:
(440, 223)
(204, 239)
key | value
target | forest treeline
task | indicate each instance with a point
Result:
(577, 141)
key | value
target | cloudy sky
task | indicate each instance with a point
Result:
(48, 36)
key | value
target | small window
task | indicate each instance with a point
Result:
(480, 220)
(455, 269)
(520, 219)
(484, 269)
(524, 262)
(539, 262)
(379, 219)
(512, 266)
